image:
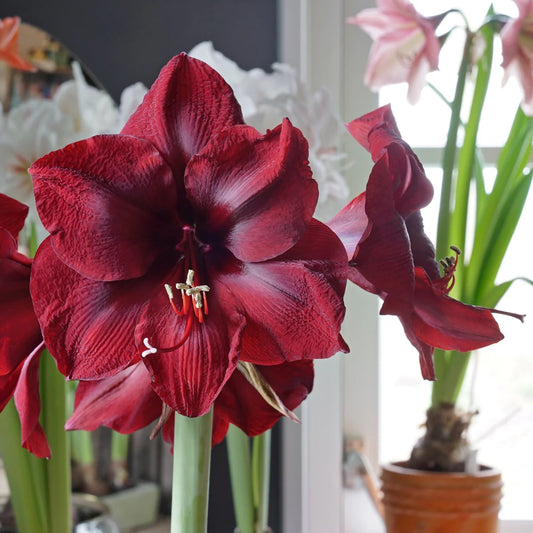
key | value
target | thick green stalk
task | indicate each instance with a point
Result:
(58, 475)
(25, 474)
(190, 481)
(452, 366)
(448, 386)
(465, 165)
(238, 445)
(261, 478)
(448, 158)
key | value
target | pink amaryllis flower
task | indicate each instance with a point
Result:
(187, 242)
(21, 342)
(9, 44)
(517, 49)
(390, 255)
(405, 47)
(108, 402)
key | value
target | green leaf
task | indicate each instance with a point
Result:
(503, 229)
(496, 293)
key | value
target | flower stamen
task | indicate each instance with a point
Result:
(194, 303)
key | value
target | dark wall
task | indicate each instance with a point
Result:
(124, 41)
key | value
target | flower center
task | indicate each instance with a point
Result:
(193, 305)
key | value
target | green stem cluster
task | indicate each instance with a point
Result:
(496, 213)
(250, 479)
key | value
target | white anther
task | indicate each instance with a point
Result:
(190, 278)
(168, 288)
(150, 348)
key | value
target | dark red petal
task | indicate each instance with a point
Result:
(293, 304)
(109, 203)
(350, 224)
(28, 403)
(220, 429)
(240, 404)
(189, 378)
(254, 192)
(187, 105)
(361, 129)
(425, 351)
(445, 323)
(421, 246)
(384, 255)
(412, 189)
(8, 384)
(124, 402)
(12, 215)
(89, 326)
(19, 329)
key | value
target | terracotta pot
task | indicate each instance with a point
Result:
(437, 502)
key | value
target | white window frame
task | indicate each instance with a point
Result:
(315, 39)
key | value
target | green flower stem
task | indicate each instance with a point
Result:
(238, 445)
(81, 444)
(25, 474)
(449, 155)
(119, 446)
(465, 165)
(261, 478)
(58, 474)
(190, 481)
(451, 366)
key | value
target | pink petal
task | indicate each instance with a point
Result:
(109, 204)
(124, 402)
(187, 105)
(28, 403)
(256, 191)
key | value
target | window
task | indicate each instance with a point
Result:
(315, 39)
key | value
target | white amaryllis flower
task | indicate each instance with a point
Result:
(39, 126)
(92, 110)
(130, 99)
(266, 98)
(28, 132)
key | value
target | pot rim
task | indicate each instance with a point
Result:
(398, 467)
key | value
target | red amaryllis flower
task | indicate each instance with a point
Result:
(9, 44)
(108, 401)
(21, 342)
(390, 255)
(188, 241)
